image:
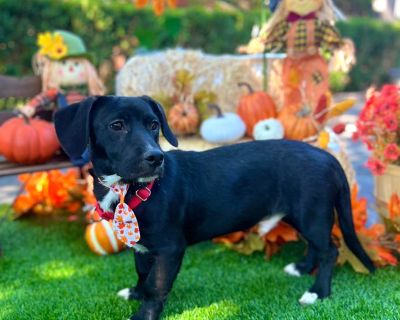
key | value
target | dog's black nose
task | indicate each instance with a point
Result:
(154, 158)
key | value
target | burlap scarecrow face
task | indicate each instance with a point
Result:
(71, 71)
(303, 7)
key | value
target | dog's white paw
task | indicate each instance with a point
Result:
(291, 270)
(124, 293)
(308, 298)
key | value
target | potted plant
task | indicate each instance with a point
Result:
(378, 127)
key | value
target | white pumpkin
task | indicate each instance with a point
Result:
(222, 128)
(269, 129)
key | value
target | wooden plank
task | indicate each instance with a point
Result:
(59, 161)
(20, 169)
(25, 87)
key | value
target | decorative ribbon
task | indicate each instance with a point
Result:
(293, 16)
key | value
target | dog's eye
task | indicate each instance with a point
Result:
(117, 125)
(154, 125)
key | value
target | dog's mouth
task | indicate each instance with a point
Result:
(145, 177)
(140, 180)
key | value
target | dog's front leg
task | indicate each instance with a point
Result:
(143, 263)
(165, 267)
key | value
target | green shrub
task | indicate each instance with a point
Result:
(105, 26)
(356, 7)
(378, 50)
(338, 81)
(108, 27)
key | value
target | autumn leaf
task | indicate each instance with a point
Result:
(394, 206)
(271, 249)
(387, 256)
(183, 78)
(23, 204)
(251, 243)
(202, 99)
(370, 239)
(392, 225)
(345, 255)
(231, 237)
(281, 233)
(374, 232)
(359, 208)
(51, 192)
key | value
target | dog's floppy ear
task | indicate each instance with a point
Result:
(72, 127)
(159, 111)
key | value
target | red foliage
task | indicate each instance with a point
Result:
(378, 127)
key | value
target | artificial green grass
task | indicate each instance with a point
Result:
(47, 272)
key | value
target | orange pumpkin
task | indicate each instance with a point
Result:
(184, 118)
(299, 124)
(254, 107)
(28, 141)
(101, 238)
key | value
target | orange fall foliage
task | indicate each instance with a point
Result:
(51, 191)
(372, 238)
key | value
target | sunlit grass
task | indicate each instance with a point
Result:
(47, 272)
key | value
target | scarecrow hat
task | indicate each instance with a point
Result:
(61, 44)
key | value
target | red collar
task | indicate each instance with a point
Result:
(141, 195)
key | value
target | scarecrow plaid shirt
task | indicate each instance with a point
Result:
(326, 37)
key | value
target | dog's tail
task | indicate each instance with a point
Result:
(345, 217)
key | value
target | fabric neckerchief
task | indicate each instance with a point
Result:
(125, 223)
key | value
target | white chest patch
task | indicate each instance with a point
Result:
(267, 224)
(108, 200)
(110, 197)
(110, 180)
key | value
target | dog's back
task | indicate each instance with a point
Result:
(232, 188)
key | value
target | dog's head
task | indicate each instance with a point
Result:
(122, 133)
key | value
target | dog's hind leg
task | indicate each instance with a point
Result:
(322, 252)
(305, 265)
(143, 263)
(322, 285)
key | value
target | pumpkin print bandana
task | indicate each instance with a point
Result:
(125, 223)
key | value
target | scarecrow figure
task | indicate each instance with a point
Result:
(67, 75)
(303, 29)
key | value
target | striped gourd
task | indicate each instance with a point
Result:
(101, 239)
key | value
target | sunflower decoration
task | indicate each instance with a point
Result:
(158, 5)
(52, 45)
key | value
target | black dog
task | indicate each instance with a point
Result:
(201, 195)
